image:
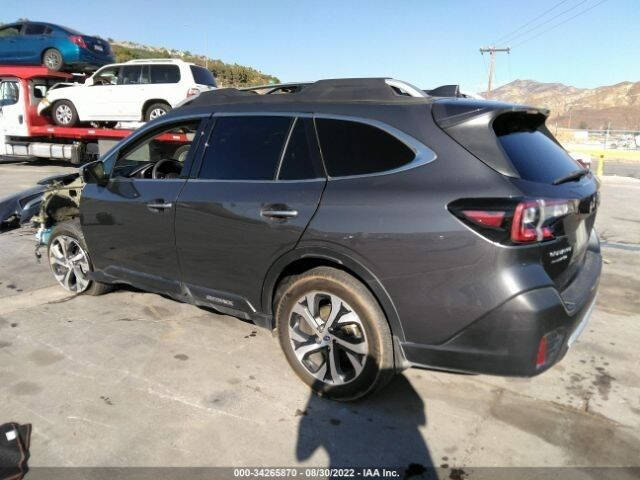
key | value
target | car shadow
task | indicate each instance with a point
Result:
(382, 430)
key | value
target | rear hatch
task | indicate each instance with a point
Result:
(554, 217)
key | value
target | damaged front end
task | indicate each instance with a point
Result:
(60, 202)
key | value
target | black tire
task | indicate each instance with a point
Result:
(153, 109)
(64, 113)
(72, 229)
(180, 155)
(52, 59)
(378, 363)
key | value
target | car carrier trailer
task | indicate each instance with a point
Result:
(25, 135)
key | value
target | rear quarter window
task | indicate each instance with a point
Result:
(202, 76)
(354, 148)
(164, 73)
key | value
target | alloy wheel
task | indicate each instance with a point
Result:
(64, 114)
(69, 263)
(328, 338)
(52, 60)
(156, 113)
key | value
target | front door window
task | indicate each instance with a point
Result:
(160, 156)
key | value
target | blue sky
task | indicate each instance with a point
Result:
(427, 43)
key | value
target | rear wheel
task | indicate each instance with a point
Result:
(64, 113)
(334, 334)
(52, 59)
(70, 262)
(156, 110)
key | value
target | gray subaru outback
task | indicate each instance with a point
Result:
(374, 226)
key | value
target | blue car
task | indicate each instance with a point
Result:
(55, 47)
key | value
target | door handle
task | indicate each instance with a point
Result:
(279, 213)
(159, 205)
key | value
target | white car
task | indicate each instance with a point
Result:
(138, 90)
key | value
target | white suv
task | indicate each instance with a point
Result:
(138, 90)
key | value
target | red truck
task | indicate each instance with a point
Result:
(26, 135)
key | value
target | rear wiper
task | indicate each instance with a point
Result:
(572, 176)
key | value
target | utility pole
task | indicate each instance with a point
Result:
(492, 61)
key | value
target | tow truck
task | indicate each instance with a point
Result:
(25, 135)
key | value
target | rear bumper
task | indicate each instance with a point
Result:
(506, 340)
(82, 57)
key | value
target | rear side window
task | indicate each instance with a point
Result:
(202, 76)
(534, 155)
(301, 161)
(35, 29)
(245, 148)
(164, 73)
(353, 148)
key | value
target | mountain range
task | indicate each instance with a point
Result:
(593, 108)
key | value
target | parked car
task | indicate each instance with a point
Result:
(374, 227)
(55, 47)
(139, 90)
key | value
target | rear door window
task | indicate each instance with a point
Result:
(354, 148)
(536, 157)
(35, 29)
(130, 75)
(164, 73)
(245, 148)
(202, 76)
(301, 160)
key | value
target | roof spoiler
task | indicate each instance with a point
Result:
(445, 91)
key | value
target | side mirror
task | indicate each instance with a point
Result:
(89, 81)
(94, 173)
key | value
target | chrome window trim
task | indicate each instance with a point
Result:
(423, 154)
(306, 180)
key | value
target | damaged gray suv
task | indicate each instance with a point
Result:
(374, 226)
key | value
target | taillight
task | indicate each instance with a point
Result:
(511, 221)
(192, 92)
(533, 219)
(484, 217)
(78, 40)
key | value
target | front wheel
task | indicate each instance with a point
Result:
(70, 262)
(334, 334)
(52, 59)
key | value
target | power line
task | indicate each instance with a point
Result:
(549, 20)
(561, 23)
(530, 21)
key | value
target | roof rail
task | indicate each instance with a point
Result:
(274, 88)
(156, 60)
(331, 90)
